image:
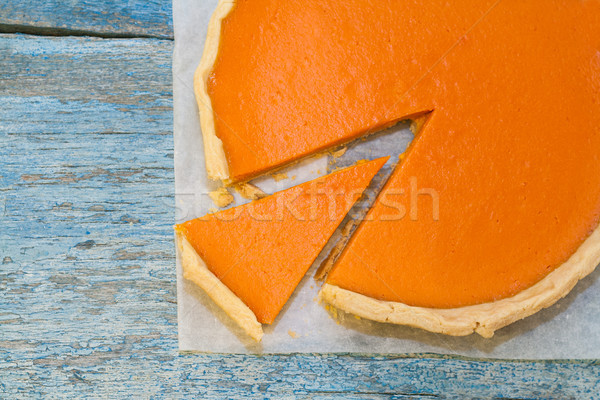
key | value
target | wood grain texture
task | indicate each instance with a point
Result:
(87, 269)
(107, 18)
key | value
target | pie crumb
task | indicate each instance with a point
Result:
(339, 153)
(279, 177)
(221, 197)
(249, 191)
(292, 334)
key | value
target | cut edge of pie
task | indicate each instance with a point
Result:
(214, 154)
(196, 271)
(484, 318)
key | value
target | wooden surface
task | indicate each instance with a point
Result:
(104, 18)
(87, 276)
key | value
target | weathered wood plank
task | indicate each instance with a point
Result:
(84, 85)
(109, 18)
(87, 279)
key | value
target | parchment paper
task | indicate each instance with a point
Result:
(569, 329)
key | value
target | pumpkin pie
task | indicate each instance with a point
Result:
(509, 150)
(249, 259)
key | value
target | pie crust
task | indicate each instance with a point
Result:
(195, 270)
(484, 318)
(214, 154)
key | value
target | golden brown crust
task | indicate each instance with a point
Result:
(214, 154)
(483, 319)
(195, 270)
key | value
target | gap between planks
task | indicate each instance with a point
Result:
(65, 32)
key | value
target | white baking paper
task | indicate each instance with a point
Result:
(569, 329)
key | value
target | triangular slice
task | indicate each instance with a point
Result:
(249, 259)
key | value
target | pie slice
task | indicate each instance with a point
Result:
(508, 160)
(249, 259)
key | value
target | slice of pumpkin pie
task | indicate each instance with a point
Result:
(249, 259)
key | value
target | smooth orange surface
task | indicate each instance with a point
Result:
(511, 148)
(262, 250)
(293, 76)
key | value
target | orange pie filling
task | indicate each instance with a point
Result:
(508, 163)
(261, 250)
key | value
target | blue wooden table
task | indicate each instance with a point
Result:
(87, 268)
